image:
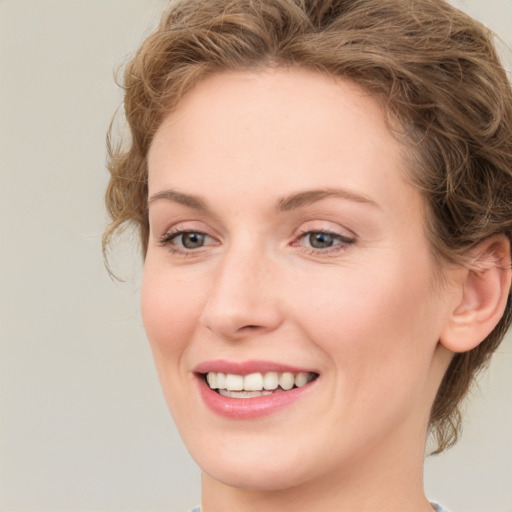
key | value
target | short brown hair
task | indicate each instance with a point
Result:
(434, 69)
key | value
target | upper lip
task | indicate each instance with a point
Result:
(247, 367)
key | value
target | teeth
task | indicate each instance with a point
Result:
(234, 382)
(271, 380)
(243, 394)
(287, 380)
(253, 382)
(211, 378)
(301, 379)
(256, 384)
(220, 380)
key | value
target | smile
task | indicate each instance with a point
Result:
(252, 389)
(256, 384)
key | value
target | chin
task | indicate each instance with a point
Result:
(256, 461)
(259, 477)
(254, 465)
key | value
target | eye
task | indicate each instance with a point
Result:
(321, 240)
(190, 240)
(182, 241)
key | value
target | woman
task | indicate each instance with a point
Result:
(323, 191)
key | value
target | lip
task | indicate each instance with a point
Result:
(247, 367)
(248, 408)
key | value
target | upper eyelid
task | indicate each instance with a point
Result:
(335, 232)
(307, 226)
(174, 233)
(332, 228)
(187, 226)
(342, 238)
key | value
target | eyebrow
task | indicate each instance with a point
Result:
(308, 197)
(283, 204)
(188, 200)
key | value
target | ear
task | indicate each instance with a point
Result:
(484, 290)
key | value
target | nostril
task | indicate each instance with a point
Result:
(248, 327)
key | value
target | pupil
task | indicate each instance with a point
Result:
(192, 240)
(321, 240)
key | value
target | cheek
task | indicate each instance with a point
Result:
(170, 311)
(376, 327)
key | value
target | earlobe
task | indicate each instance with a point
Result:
(483, 298)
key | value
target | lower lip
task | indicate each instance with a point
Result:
(250, 408)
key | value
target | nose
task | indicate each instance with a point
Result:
(242, 300)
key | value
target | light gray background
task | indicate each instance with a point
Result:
(83, 425)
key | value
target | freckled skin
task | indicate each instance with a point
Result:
(361, 310)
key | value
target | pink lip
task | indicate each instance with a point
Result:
(245, 367)
(247, 408)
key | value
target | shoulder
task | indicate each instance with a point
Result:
(436, 507)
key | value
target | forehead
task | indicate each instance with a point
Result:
(294, 104)
(278, 131)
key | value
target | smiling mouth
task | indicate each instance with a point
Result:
(256, 384)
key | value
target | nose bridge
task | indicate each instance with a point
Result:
(241, 301)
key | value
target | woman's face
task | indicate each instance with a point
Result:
(286, 245)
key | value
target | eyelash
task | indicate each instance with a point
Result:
(168, 241)
(343, 242)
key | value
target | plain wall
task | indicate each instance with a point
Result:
(83, 425)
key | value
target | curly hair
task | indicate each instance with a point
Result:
(434, 69)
